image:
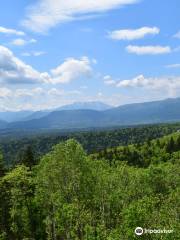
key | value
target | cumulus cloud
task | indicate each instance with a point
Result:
(108, 80)
(22, 42)
(169, 85)
(177, 35)
(71, 69)
(138, 81)
(9, 31)
(45, 14)
(148, 50)
(13, 70)
(133, 34)
(37, 98)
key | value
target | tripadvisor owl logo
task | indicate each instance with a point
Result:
(139, 231)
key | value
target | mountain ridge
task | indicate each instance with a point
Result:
(30, 115)
(3, 124)
(161, 111)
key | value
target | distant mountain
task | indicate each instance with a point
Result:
(3, 124)
(167, 110)
(14, 116)
(36, 115)
(30, 115)
(139, 113)
(63, 119)
(98, 106)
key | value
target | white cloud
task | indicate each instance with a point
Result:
(5, 92)
(71, 69)
(164, 86)
(15, 71)
(108, 80)
(132, 34)
(22, 42)
(55, 92)
(28, 92)
(37, 54)
(149, 50)
(33, 54)
(60, 92)
(177, 65)
(46, 14)
(138, 81)
(36, 98)
(169, 85)
(177, 35)
(10, 31)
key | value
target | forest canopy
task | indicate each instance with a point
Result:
(71, 195)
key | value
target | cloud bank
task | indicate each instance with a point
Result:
(15, 71)
(169, 85)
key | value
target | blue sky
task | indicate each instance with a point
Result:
(55, 52)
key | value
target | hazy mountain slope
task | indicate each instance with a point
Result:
(150, 112)
(140, 113)
(14, 116)
(36, 115)
(63, 119)
(3, 124)
(98, 106)
(30, 115)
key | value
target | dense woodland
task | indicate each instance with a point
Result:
(122, 179)
(14, 147)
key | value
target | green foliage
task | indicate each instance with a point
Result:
(27, 157)
(2, 167)
(15, 147)
(72, 196)
(18, 187)
(142, 155)
(65, 194)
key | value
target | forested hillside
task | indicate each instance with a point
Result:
(143, 154)
(15, 148)
(69, 195)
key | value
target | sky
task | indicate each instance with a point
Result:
(56, 52)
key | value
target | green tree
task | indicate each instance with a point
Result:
(18, 185)
(170, 147)
(27, 157)
(2, 167)
(65, 186)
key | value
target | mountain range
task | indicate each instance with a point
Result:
(95, 114)
(14, 116)
(30, 115)
(3, 124)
